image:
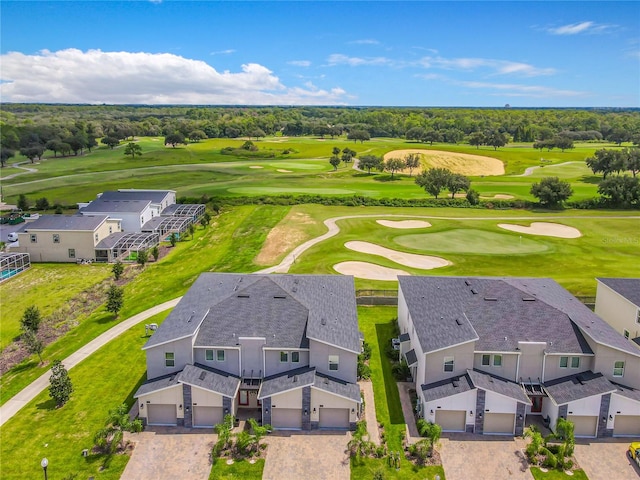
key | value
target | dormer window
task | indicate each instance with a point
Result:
(334, 362)
(169, 359)
(448, 364)
(284, 357)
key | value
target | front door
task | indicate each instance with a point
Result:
(244, 397)
(536, 406)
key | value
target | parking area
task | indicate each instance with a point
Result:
(167, 452)
(311, 456)
(466, 456)
(606, 459)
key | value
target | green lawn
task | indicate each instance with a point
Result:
(239, 470)
(40, 430)
(376, 323)
(556, 475)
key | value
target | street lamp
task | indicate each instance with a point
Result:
(44, 464)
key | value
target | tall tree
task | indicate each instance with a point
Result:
(620, 190)
(334, 161)
(412, 161)
(370, 161)
(174, 139)
(356, 135)
(111, 142)
(631, 160)
(394, 165)
(434, 180)
(60, 386)
(496, 139)
(605, 161)
(432, 136)
(457, 182)
(133, 149)
(551, 191)
(6, 154)
(23, 202)
(476, 139)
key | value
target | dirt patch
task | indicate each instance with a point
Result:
(464, 163)
(423, 262)
(404, 223)
(368, 271)
(544, 229)
(285, 236)
(255, 166)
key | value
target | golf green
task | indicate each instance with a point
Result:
(471, 241)
(280, 190)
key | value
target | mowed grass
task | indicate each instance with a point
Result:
(557, 475)
(200, 168)
(48, 287)
(229, 244)
(240, 469)
(103, 381)
(377, 325)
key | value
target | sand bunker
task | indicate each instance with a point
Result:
(368, 271)
(282, 170)
(424, 262)
(255, 166)
(464, 163)
(499, 196)
(545, 229)
(403, 223)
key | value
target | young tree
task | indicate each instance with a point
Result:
(117, 269)
(23, 203)
(394, 165)
(192, 230)
(334, 161)
(31, 319)
(370, 161)
(335, 151)
(60, 388)
(143, 257)
(434, 180)
(551, 191)
(206, 218)
(412, 161)
(42, 204)
(473, 197)
(115, 300)
(111, 437)
(133, 149)
(33, 343)
(155, 253)
(173, 239)
(457, 182)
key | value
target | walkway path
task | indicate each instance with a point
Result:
(529, 170)
(411, 432)
(12, 406)
(370, 411)
(17, 165)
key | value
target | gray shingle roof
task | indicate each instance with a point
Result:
(411, 357)
(501, 312)
(447, 388)
(116, 206)
(629, 288)
(324, 304)
(575, 387)
(283, 382)
(499, 385)
(159, 383)
(404, 337)
(210, 379)
(155, 196)
(337, 387)
(629, 392)
(65, 222)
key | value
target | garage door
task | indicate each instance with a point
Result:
(451, 420)
(499, 423)
(627, 425)
(286, 418)
(334, 418)
(584, 426)
(159, 414)
(207, 416)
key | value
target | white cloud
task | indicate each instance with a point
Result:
(515, 90)
(365, 41)
(229, 51)
(94, 76)
(340, 59)
(300, 63)
(499, 67)
(582, 27)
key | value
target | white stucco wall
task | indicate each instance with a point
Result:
(617, 311)
(550, 409)
(507, 370)
(327, 400)
(585, 406)
(319, 357)
(156, 357)
(552, 369)
(621, 406)
(172, 395)
(251, 355)
(205, 398)
(231, 363)
(496, 403)
(273, 365)
(462, 401)
(463, 359)
(290, 399)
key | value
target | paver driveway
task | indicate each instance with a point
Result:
(169, 453)
(466, 456)
(309, 456)
(606, 459)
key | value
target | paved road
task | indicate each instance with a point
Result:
(11, 407)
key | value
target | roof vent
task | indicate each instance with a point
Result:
(243, 295)
(505, 339)
(474, 291)
(202, 375)
(528, 299)
(279, 296)
(455, 383)
(467, 283)
(295, 378)
(294, 289)
(323, 321)
(326, 381)
(490, 299)
(296, 281)
(171, 378)
(458, 321)
(580, 379)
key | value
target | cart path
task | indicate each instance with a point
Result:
(17, 165)
(12, 406)
(529, 170)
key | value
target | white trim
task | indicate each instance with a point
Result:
(167, 341)
(207, 390)
(289, 349)
(159, 390)
(616, 292)
(283, 391)
(447, 347)
(337, 395)
(357, 352)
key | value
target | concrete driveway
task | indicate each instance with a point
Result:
(606, 459)
(309, 456)
(466, 456)
(169, 453)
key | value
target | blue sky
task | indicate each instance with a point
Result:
(529, 54)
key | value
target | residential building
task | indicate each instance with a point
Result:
(618, 303)
(485, 353)
(279, 348)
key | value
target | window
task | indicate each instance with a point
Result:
(169, 359)
(56, 238)
(618, 369)
(638, 316)
(334, 362)
(72, 253)
(208, 355)
(575, 362)
(284, 357)
(95, 236)
(564, 362)
(110, 229)
(295, 357)
(486, 360)
(34, 238)
(220, 355)
(497, 360)
(448, 364)
(626, 334)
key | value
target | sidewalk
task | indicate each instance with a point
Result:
(407, 410)
(12, 406)
(370, 411)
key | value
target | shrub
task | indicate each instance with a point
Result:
(364, 372)
(401, 371)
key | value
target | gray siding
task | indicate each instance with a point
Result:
(252, 356)
(273, 365)
(319, 358)
(156, 357)
(231, 362)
